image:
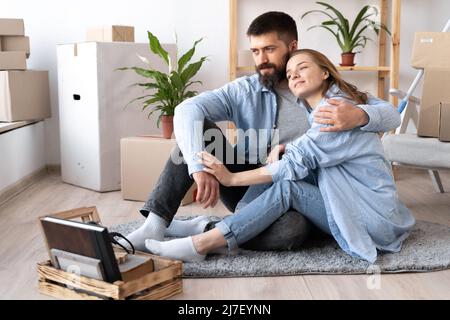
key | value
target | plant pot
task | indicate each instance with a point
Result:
(348, 59)
(167, 126)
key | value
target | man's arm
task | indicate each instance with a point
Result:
(383, 116)
(216, 105)
(375, 116)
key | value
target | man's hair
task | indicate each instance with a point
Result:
(271, 21)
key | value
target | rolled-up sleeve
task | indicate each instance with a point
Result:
(216, 105)
(290, 167)
(382, 115)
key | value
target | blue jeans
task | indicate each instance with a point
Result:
(255, 216)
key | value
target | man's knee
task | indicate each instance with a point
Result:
(287, 233)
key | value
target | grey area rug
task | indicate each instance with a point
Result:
(426, 249)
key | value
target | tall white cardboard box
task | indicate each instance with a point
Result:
(92, 97)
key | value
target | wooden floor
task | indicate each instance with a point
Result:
(22, 247)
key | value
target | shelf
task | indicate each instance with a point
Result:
(387, 72)
(354, 68)
(362, 68)
(8, 126)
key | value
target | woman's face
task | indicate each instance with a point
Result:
(304, 75)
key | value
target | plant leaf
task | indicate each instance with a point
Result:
(149, 85)
(187, 56)
(325, 27)
(343, 22)
(317, 11)
(176, 80)
(156, 47)
(359, 18)
(191, 70)
(136, 99)
(190, 94)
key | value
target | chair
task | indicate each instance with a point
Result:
(407, 149)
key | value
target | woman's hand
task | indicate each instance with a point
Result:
(274, 155)
(216, 168)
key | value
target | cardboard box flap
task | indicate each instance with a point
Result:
(431, 50)
(435, 91)
(444, 123)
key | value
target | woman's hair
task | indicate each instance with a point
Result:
(334, 76)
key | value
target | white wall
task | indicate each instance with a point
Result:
(50, 22)
(22, 153)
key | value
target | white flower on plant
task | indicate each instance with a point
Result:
(170, 64)
(143, 59)
(175, 36)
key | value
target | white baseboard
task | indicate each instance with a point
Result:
(16, 188)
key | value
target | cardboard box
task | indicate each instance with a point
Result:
(13, 60)
(110, 34)
(92, 114)
(15, 43)
(444, 127)
(12, 27)
(142, 162)
(435, 92)
(431, 50)
(24, 95)
(431, 53)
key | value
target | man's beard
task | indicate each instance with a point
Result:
(271, 80)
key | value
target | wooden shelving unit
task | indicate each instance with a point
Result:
(384, 71)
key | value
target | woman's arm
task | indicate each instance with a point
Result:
(227, 178)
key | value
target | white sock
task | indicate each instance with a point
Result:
(186, 228)
(153, 228)
(179, 249)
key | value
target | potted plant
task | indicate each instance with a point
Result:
(348, 37)
(167, 89)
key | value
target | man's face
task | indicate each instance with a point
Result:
(270, 55)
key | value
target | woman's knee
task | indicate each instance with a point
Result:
(283, 191)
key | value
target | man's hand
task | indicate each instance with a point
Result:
(342, 115)
(207, 189)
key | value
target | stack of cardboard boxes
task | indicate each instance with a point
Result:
(431, 52)
(24, 94)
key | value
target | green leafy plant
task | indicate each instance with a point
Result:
(349, 37)
(167, 89)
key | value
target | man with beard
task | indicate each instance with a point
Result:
(263, 108)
